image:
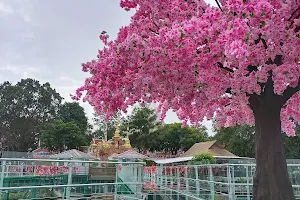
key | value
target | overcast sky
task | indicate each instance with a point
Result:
(49, 39)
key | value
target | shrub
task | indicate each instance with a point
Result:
(204, 158)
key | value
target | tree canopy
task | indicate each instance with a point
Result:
(172, 137)
(239, 63)
(60, 136)
(142, 125)
(240, 140)
(24, 108)
(73, 112)
(194, 59)
(106, 126)
(147, 132)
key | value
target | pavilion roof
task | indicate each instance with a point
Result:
(130, 154)
(72, 154)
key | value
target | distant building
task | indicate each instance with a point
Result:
(129, 155)
(211, 147)
(72, 154)
(41, 153)
(218, 151)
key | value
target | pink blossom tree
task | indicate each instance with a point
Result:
(238, 62)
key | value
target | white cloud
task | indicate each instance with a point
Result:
(5, 9)
(48, 40)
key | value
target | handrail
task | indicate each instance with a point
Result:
(72, 161)
(71, 185)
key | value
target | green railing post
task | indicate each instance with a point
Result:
(2, 176)
(171, 182)
(178, 183)
(141, 179)
(68, 189)
(33, 191)
(186, 183)
(230, 189)
(157, 175)
(6, 195)
(233, 185)
(197, 181)
(211, 183)
(247, 177)
(160, 174)
(116, 183)
(166, 180)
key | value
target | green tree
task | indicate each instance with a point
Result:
(105, 126)
(291, 144)
(60, 136)
(142, 124)
(240, 140)
(172, 137)
(24, 108)
(73, 112)
(193, 135)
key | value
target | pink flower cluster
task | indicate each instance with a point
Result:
(186, 55)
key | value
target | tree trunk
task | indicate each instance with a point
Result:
(271, 181)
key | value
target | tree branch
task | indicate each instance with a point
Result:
(155, 24)
(219, 5)
(296, 12)
(290, 91)
(154, 31)
(261, 39)
(298, 9)
(220, 65)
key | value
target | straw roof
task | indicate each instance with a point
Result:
(211, 147)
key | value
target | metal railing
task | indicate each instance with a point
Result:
(73, 179)
(211, 182)
(69, 179)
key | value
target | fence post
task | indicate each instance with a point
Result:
(70, 172)
(247, 177)
(141, 179)
(116, 182)
(197, 181)
(161, 175)
(2, 176)
(233, 181)
(211, 183)
(171, 182)
(230, 190)
(178, 182)
(186, 183)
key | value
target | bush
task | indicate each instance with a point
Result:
(204, 158)
(149, 162)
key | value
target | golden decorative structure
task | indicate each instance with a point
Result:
(127, 143)
(103, 148)
(117, 136)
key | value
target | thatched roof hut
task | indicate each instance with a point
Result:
(211, 147)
